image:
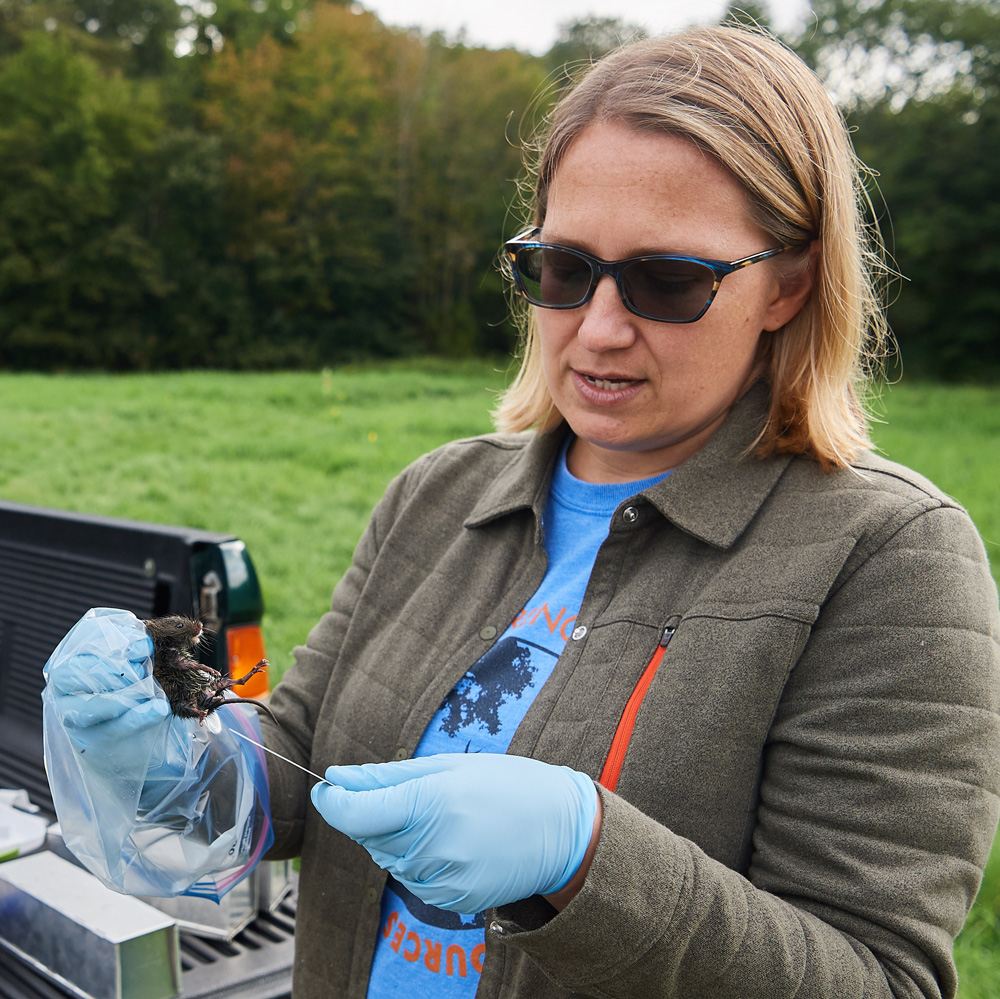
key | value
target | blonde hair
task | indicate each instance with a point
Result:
(750, 102)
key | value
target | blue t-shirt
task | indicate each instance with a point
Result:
(422, 950)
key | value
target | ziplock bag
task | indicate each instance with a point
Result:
(149, 803)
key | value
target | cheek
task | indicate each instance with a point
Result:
(737, 334)
(555, 332)
(716, 359)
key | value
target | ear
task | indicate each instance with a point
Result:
(793, 290)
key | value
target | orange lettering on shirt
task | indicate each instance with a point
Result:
(398, 937)
(517, 622)
(415, 953)
(432, 955)
(455, 951)
(552, 624)
(393, 916)
(477, 956)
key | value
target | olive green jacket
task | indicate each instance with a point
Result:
(810, 792)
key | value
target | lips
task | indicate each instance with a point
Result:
(613, 389)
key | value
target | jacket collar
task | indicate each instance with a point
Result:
(524, 483)
(717, 492)
(713, 495)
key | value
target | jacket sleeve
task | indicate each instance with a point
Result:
(878, 806)
(297, 699)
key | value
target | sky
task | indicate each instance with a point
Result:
(532, 25)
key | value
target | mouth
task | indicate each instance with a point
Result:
(615, 383)
(613, 389)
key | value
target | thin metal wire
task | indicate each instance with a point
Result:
(280, 757)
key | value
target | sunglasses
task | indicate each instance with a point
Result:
(663, 287)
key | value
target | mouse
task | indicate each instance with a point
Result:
(193, 689)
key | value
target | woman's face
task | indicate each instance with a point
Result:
(643, 396)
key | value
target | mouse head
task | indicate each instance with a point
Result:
(183, 632)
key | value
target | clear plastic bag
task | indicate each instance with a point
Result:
(150, 803)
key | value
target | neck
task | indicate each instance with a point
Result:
(600, 465)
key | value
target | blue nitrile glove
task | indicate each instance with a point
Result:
(465, 832)
(100, 685)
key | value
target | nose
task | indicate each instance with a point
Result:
(606, 323)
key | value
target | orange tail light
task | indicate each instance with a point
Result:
(245, 646)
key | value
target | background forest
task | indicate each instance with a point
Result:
(290, 184)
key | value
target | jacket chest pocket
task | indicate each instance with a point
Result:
(688, 748)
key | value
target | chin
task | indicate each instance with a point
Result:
(609, 434)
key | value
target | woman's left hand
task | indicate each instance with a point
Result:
(466, 832)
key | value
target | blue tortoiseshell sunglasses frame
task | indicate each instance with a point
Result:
(598, 268)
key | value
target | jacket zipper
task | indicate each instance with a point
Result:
(623, 734)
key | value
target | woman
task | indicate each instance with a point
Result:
(686, 688)
(782, 822)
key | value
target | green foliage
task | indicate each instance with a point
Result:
(921, 82)
(892, 51)
(290, 183)
(945, 231)
(582, 42)
(76, 273)
(240, 24)
(457, 186)
(142, 28)
(750, 13)
(308, 186)
(308, 140)
(133, 36)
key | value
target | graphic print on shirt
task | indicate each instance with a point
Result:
(496, 682)
(478, 716)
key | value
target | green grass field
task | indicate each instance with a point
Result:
(292, 464)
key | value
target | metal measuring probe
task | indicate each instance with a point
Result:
(280, 757)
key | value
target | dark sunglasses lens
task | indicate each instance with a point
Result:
(671, 290)
(553, 277)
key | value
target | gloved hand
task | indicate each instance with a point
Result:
(100, 686)
(465, 832)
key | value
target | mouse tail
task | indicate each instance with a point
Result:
(256, 704)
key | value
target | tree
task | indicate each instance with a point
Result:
(368, 173)
(241, 24)
(460, 159)
(309, 146)
(581, 42)
(134, 36)
(76, 275)
(894, 51)
(937, 171)
(920, 81)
